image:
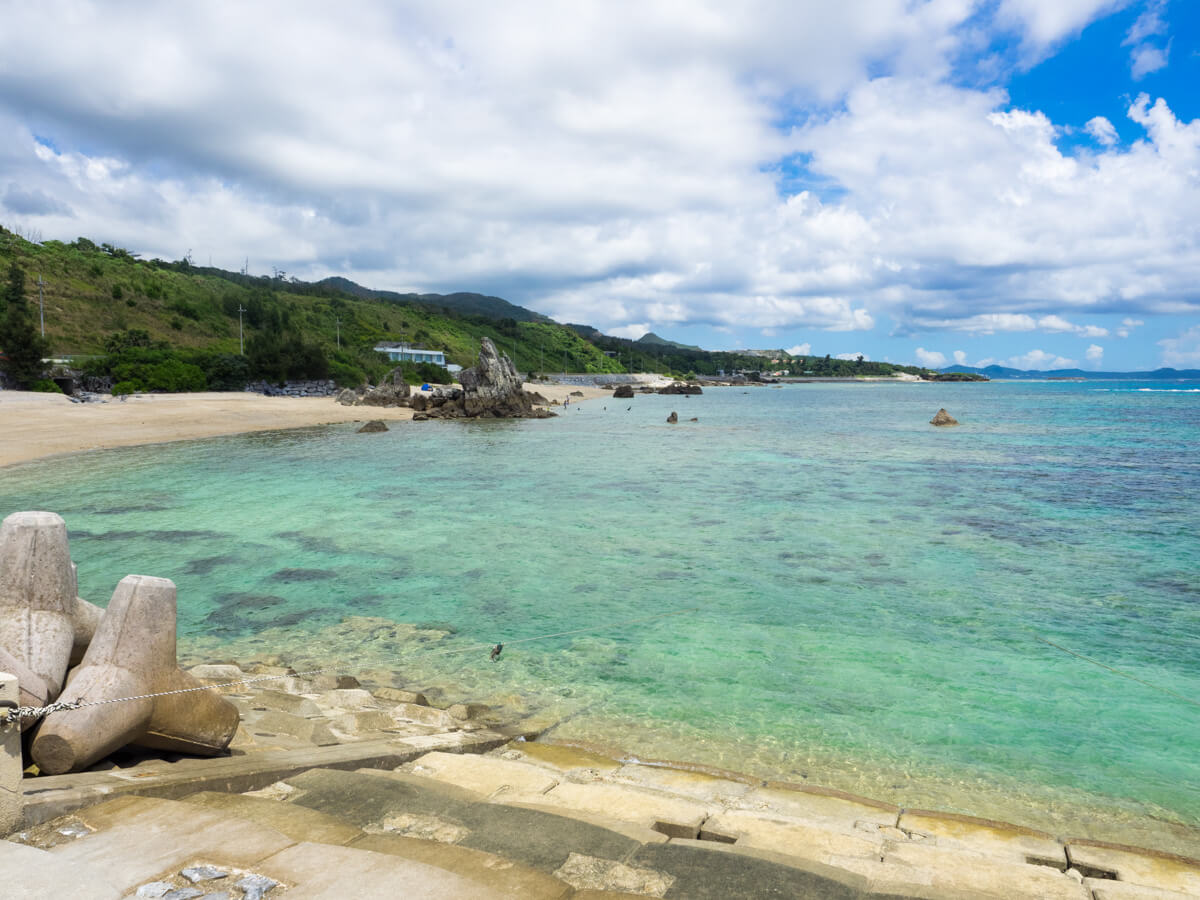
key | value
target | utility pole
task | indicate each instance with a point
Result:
(241, 343)
(41, 303)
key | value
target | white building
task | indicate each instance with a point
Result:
(409, 353)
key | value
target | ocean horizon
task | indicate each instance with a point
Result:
(999, 619)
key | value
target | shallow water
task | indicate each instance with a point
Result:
(869, 589)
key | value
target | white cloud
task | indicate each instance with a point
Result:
(602, 168)
(1094, 354)
(1059, 325)
(1039, 359)
(1127, 326)
(632, 332)
(1182, 352)
(960, 357)
(1145, 60)
(1102, 130)
(1147, 57)
(931, 359)
(851, 356)
(800, 349)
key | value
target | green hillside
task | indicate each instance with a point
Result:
(93, 291)
(175, 326)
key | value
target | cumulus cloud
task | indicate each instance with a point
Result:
(851, 356)
(1040, 359)
(930, 358)
(610, 169)
(1127, 326)
(1102, 130)
(1182, 352)
(1094, 354)
(800, 349)
(960, 357)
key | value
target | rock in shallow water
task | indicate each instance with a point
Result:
(943, 418)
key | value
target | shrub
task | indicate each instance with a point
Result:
(117, 292)
(45, 386)
(124, 387)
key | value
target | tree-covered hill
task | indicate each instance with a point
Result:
(132, 314)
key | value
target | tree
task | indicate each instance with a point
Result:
(22, 347)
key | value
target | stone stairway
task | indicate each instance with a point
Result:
(535, 821)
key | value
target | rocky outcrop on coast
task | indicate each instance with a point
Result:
(680, 387)
(491, 389)
(623, 392)
(392, 390)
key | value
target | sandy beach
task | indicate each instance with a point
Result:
(37, 425)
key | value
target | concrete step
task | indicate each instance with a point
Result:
(573, 848)
(33, 874)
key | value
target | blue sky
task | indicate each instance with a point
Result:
(926, 181)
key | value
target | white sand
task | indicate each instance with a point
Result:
(36, 425)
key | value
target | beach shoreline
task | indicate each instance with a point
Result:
(34, 426)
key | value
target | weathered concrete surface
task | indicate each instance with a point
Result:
(673, 816)
(704, 871)
(487, 868)
(321, 872)
(1161, 870)
(914, 869)
(562, 757)
(133, 654)
(594, 873)
(854, 850)
(999, 839)
(33, 874)
(11, 765)
(1103, 889)
(33, 690)
(49, 797)
(38, 594)
(138, 839)
(818, 806)
(699, 786)
(538, 839)
(487, 775)
(290, 820)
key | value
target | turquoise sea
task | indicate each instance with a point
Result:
(869, 590)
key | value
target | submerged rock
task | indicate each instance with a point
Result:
(373, 427)
(672, 418)
(943, 418)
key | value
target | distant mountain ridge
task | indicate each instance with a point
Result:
(1165, 374)
(651, 338)
(463, 302)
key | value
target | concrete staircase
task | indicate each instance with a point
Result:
(537, 821)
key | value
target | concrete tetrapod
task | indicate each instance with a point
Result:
(41, 617)
(131, 654)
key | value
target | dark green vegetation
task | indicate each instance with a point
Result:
(174, 326)
(22, 345)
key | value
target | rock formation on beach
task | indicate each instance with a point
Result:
(623, 392)
(943, 418)
(491, 389)
(126, 650)
(680, 387)
(392, 390)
